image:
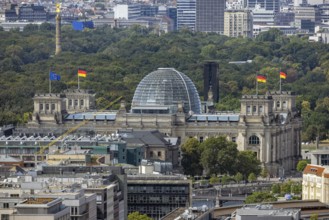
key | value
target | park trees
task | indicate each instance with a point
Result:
(219, 155)
(248, 163)
(138, 216)
(301, 165)
(191, 157)
(259, 197)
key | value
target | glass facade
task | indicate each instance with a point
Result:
(161, 91)
(186, 14)
(210, 16)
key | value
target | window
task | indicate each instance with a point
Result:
(47, 106)
(70, 102)
(151, 153)
(41, 107)
(278, 104)
(284, 104)
(233, 139)
(5, 205)
(254, 109)
(260, 109)
(248, 109)
(159, 153)
(4, 216)
(201, 139)
(76, 102)
(254, 140)
(81, 102)
(52, 106)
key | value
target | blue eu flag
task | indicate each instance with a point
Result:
(54, 77)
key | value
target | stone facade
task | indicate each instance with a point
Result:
(267, 124)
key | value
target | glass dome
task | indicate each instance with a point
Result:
(163, 90)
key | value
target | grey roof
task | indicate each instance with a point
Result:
(91, 116)
(151, 138)
(213, 117)
(6, 158)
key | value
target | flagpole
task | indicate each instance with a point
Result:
(78, 81)
(280, 83)
(49, 81)
(256, 86)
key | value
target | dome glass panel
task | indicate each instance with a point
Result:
(162, 90)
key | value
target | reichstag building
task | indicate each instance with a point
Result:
(167, 100)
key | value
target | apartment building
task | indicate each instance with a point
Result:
(238, 23)
(316, 183)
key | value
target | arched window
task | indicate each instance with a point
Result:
(278, 104)
(254, 140)
(284, 104)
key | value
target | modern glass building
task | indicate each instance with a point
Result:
(162, 91)
(271, 5)
(210, 16)
(186, 14)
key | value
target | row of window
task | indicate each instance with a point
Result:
(76, 102)
(158, 189)
(52, 106)
(253, 140)
(46, 106)
(261, 109)
(152, 154)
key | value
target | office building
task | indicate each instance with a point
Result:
(89, 192)
(284, 18)
(261, 16)
(210, 16)
(186, 14)
(32, 13)
(157, 195)
(127, 11)
(172, 14)
(41, 209)
(306, 17)
(238, 23)
(270, 5)
(264, 212)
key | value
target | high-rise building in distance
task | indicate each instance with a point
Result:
(238, 23)
(210, 15)
(186, 14)
(271, 5)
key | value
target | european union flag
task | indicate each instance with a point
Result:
(54, 77)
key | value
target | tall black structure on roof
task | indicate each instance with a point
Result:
(210, 80)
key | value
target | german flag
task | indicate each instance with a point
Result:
(261, 78)
(283, 75)
(82, 73)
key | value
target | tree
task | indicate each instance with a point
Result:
(191, 157)
(248, 163)
(314, 217)
(252, 177)
(214, 179)
(225, 179)
(276, 189)
(219, 155)
(259, 197)
(296, 188)
(301, 165)
(238, 177)
(138, 216)
(264, 173)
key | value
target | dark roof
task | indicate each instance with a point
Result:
(150, 138)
